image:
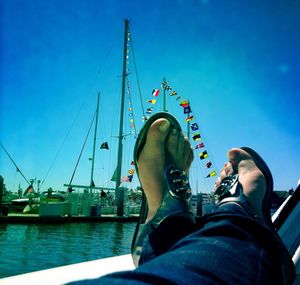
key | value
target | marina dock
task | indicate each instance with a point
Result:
(35, 218)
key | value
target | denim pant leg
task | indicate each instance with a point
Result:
(229, 248)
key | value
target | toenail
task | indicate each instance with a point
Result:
(164, 126)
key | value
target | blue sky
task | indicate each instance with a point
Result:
(236, 61)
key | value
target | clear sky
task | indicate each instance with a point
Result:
(236, 61)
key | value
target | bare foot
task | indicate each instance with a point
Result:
(251, 178)
(152, 160)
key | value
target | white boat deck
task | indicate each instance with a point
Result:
(73, 272)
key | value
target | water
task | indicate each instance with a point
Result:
(32, 247)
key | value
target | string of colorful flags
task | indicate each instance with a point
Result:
(130, 109)
(130, 173)
(199, 145)
(152, 102)
(194, 127)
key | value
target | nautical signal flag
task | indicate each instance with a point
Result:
(203, 155)
(189, 118)
(124, 179)
(127, 178)
(165, 85)
(208, 164)
(131, 171)
(149, 110)
(213, 173)
(200, 145)
(187, 110)
(173, 93)
(184, 103)
(196, 137)
(194, 127)
(155, 92)
(104, 145)
(151, 101)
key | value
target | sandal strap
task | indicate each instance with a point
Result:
(231, 191)
(177, 198)
(178, 182)
(227, 188)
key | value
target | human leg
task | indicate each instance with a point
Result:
(231, 246)
(162, 158)
(252, 205)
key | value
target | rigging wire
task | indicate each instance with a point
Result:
(81, 151)
(136, 74)
(18, 169)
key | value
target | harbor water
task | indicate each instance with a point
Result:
(31, 247)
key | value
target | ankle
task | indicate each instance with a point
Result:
(151, 214)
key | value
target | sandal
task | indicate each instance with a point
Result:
(230, 190)
(175, 202)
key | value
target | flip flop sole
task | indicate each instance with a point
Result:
(140, 143)
(261, 164)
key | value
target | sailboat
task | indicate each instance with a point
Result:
(91, 195)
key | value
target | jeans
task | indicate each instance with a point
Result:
(226, 247)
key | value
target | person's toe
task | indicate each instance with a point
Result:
(179, 149)
(225, 171)
(156, 136)
(158, 130)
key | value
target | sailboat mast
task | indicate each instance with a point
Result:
(120, 146)
(94, 146)
(164, 102)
